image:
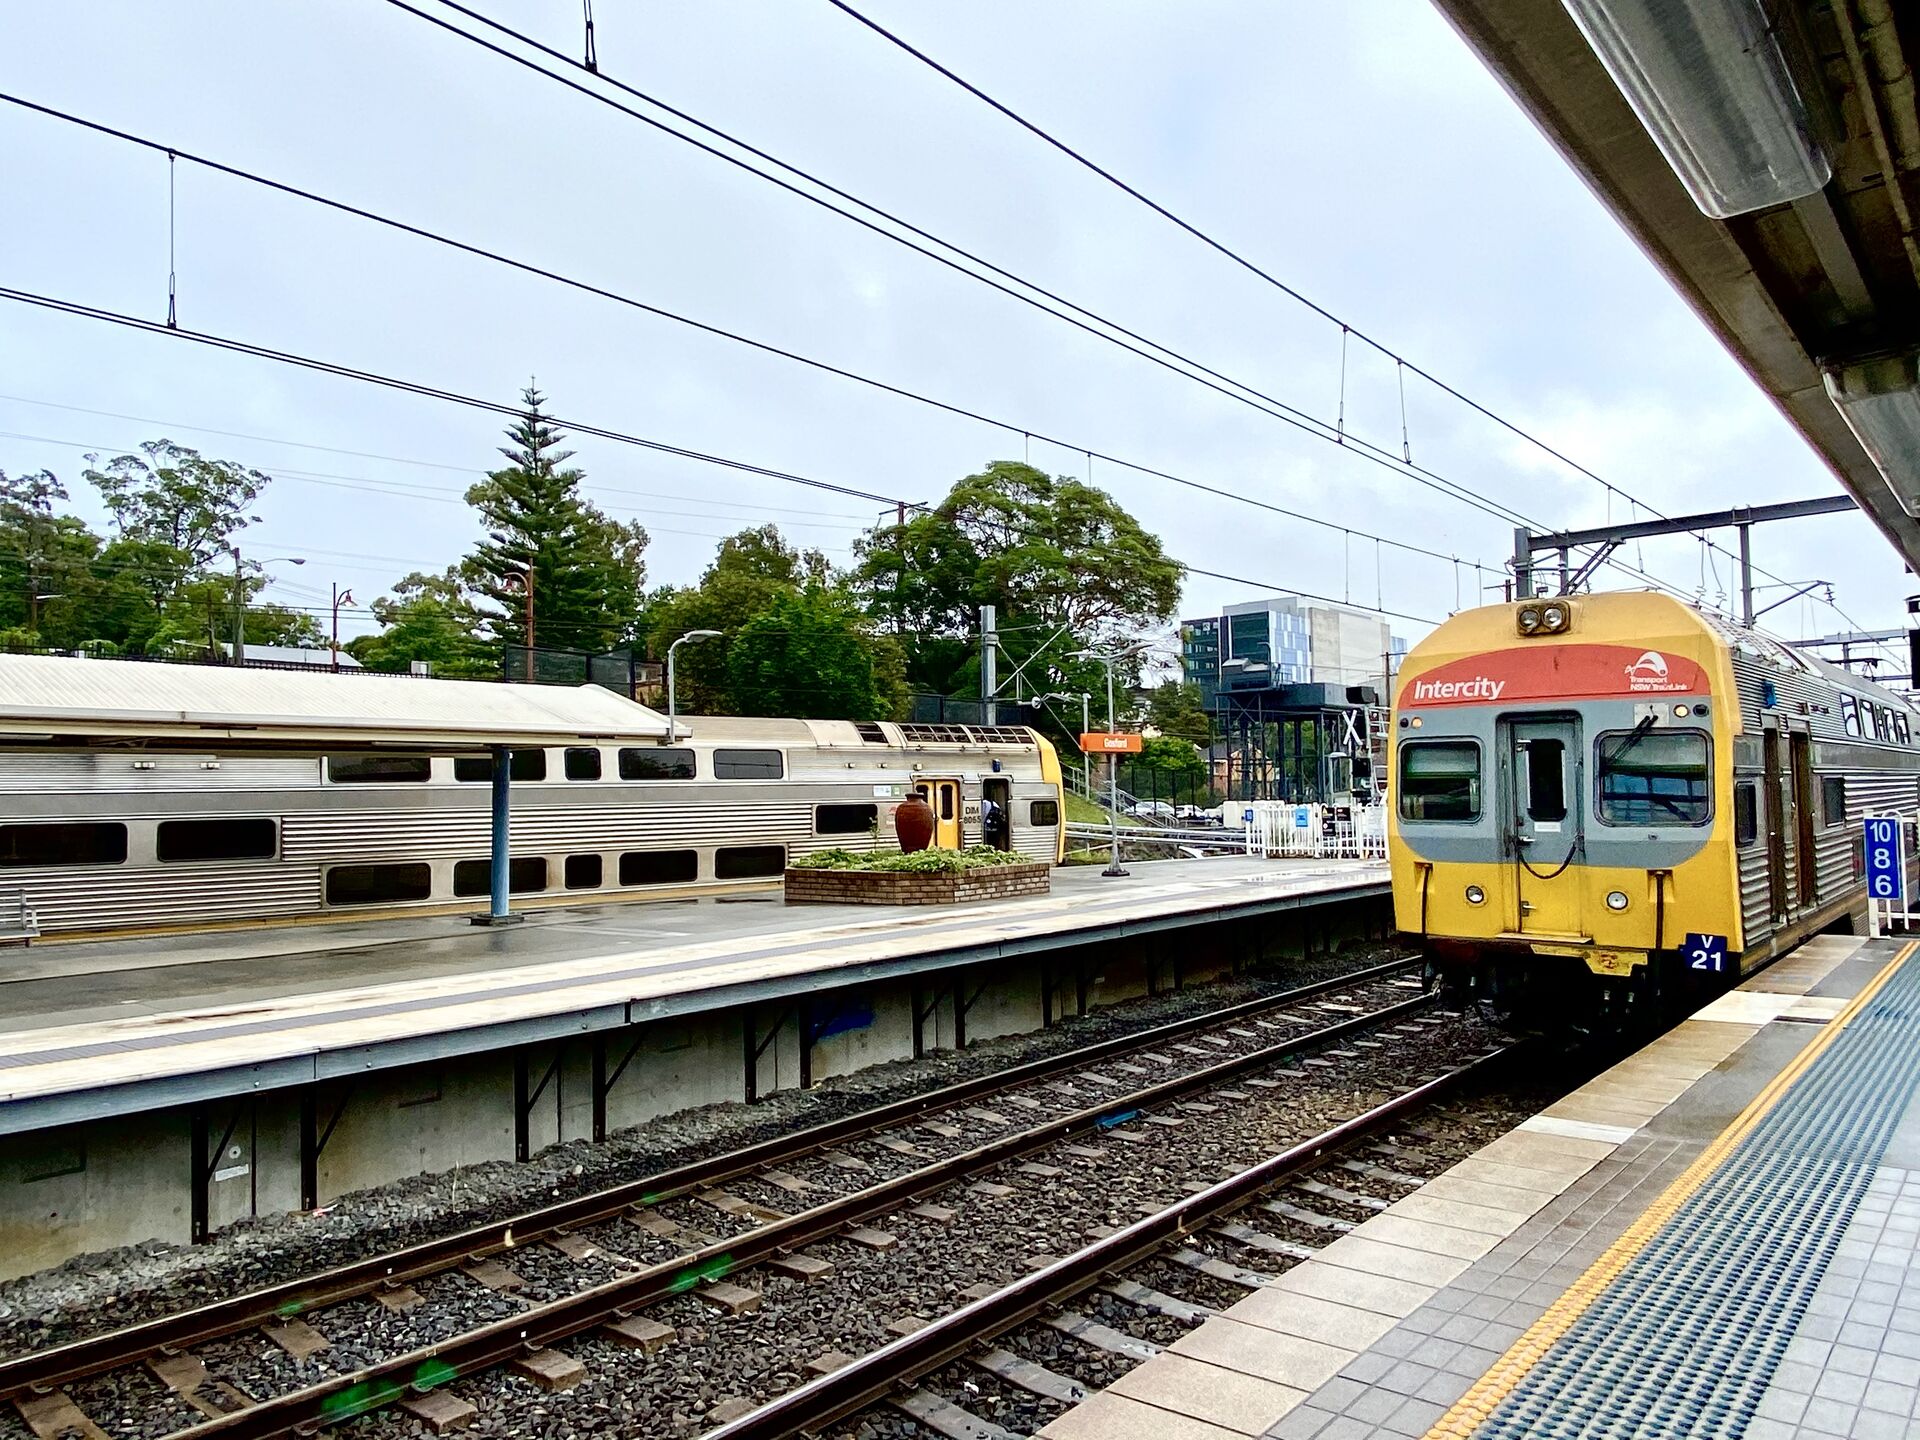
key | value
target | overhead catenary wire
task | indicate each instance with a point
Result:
(1347, 330)
(454, 397)
(1301, 419)
(1006, 426)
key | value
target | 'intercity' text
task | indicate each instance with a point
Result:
(1478, 688)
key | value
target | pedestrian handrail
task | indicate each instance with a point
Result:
(18, 923)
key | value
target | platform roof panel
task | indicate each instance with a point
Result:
(56, 699)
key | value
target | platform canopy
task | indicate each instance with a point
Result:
(57, 700)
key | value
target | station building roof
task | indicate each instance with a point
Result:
(47, 699)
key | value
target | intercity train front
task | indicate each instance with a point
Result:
(1560, 771)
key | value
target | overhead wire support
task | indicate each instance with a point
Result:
(617, 297)
(173, 312)
(578, 427)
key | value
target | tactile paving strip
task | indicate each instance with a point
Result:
(1685, 1339)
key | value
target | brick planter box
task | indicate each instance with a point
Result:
(881, 887)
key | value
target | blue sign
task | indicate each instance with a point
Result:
(1705, 952)
(1886, 876)
(1302, 817)
(1247, 815)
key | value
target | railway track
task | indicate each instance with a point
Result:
(969, 1333)
(181, 1354)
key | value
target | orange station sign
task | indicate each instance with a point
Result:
(1102, 742)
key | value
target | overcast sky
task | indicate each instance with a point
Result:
(1359, 152)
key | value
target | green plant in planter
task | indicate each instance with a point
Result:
(920, 862)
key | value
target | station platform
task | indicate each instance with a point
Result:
(1715, 1238)
(90, 1030)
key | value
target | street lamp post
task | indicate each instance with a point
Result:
(340, 597)
(673, 698)
(240, 596)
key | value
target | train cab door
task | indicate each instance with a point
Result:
(1543, 821)
(944, 797)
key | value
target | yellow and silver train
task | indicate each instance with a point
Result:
(1613, 797)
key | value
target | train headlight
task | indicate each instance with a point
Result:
(1544, 617)
(1475, 895)
(1616, 900)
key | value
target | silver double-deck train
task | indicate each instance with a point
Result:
(134, 839)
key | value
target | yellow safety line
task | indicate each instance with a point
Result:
(1473, 1409)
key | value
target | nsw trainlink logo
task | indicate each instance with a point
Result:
(1651, 672)
(1480, 687)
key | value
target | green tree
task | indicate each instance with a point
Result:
(1173, 708)
(1052, 553)
(431, 618)
(176, 497)
(47, 579)
(1171, 754)
(587, 570)
(806, 655)
(750, 572)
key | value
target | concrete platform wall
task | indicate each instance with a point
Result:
(130, 1179)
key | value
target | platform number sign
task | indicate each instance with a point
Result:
(1886, 876)
(1706, 952)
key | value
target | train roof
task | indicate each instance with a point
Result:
(1638, 617)
(50, 698)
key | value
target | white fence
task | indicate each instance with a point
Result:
(1357, 832)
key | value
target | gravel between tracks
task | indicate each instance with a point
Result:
(111, 1289)
(928, 1267)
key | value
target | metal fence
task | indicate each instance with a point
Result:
(1275, 828)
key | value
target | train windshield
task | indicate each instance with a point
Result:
(1440, 780)
(1654, 778)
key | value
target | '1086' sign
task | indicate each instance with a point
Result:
(1886, 876)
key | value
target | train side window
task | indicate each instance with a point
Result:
(1850, 715)
(1547, 780)
(583, 762)
(379, 769)
(1901, 731)
(1044, 813)
(525, 765)
(526, 874)
(639, 764)
(748, 862)
(946, 802)
(659, 867)
(845, 819)
(1746, 814)
(253, 838)
(1440, 780)
(71, 843)
(584, 872)
(1654, 777)
(1833, 799)
(378, 884)
(748, 765)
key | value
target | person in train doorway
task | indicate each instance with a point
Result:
(993, 825)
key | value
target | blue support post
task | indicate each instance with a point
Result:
(497, 913)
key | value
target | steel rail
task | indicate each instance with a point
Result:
(844, 1392)
(485, 1347)
(96, 1354)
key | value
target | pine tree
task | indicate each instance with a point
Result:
(587, 570)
